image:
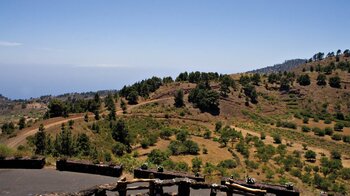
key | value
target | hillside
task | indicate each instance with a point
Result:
(287, 65)
(277, 127)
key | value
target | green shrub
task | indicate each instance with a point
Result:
(336, 137)
(295, 172)
(152, 139)
(285, 124)
(169, 164)
(205, 151)
(304, 80)
(157, 156)
(306, 178)
(277, 138)
(182, 166)
(20, 148)
(298, 115)
(107, 156)
(228, 163)
(345, 173)
(119, 149)
(327, 121)
(310, 155)
(251, 164)
(5, 151)
(338, 126)
(242, 148)
(328, 131)
(207, 134)
(346, 138)
(196, 164)
(269, 174)
(335, 155)
(218, 126)
(186, 147)
(305, 128)
(191, 147)
(166, 133)
(135, 154)
(282, 149)
(144, 143)
(235, 175)
(182, 135)
(305, 120)
(318, 131)
(304, 146)
(265, 152)
(335, 82)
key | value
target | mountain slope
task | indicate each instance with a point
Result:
(286, 66)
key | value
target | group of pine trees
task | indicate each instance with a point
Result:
(248, 83)
(203, 96)
(320, 55)
(197, 77)
(58, 107)
(142, 88)
(64, 144)
(10, 127)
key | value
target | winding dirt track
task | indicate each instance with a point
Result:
(22, 135)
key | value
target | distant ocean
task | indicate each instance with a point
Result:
(26, 81)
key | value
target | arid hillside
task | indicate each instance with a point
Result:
(291, 126)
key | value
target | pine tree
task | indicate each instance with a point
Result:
(120, 132)
(123, 106)
(111, 115)
(22, 123)
(335, 82)
(40, 141)
(256, 79)
(132, 97)
(304, 80)
(86, 117)
(83, 144)
(321, 80)
(179, 98)
(66, 143)
(97, 115)
(225, 84)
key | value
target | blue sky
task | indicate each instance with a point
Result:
(53, 47)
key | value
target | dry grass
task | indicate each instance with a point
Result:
(215, 153)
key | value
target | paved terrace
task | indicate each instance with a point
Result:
(27, 182)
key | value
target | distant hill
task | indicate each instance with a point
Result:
(286, 66)
(4, 100)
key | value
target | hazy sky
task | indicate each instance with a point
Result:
(53, 47)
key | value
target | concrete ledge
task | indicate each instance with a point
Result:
(88, 167)
(22, 163)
